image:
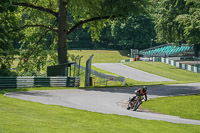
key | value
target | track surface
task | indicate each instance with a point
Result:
(113, 100)
(110, 100)
(130, 72)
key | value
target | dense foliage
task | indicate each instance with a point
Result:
(135, 32)
(40, 26)
(7, 37)
(178, 21)
(48, 23)
(40, 18)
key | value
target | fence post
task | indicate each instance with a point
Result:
(75, 64)
(88, 71)
(79, 65)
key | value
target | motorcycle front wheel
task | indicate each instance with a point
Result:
(136, 104)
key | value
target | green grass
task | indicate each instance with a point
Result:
(168, 71)
(106, 56)
(131, 82)
(110, 56)
(3, 91)
(18, 116)
(100, 56)
(183, 106)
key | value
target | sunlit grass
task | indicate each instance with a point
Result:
(100, 56)
(183, 106)
(18, 116)
(168, 71)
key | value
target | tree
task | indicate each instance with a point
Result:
(6, 39)
(42, 17)
(134, 33)
(178, 21)
(191, 23)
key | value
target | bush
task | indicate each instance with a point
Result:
(5, 71)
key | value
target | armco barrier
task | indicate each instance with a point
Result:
(181, 65)
(106, 76)
(30, 81)
(8, 82)
(128, 60)
(191, 68)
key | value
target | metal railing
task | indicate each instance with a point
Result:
(31, 81)
(106, 76)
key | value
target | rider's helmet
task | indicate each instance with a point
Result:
(144, 88)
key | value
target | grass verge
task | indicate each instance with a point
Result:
(18, 116)
(100, 56)
(183, 106)
(179, 75)
(164, 70)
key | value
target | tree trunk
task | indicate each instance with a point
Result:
(196, 50)
(62, 36)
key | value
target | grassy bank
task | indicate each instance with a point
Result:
(18, 116)
(168, 71)
(179, 75)
(183, 106)
(100, 56)
(161, 69)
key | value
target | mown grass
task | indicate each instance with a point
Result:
(18, 116)
(3, 91)
(105, 56)
(25, 116)
(183, 106)
(110, 56)
(168, 71)
(100, 56)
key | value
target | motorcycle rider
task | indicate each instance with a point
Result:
(140, 92)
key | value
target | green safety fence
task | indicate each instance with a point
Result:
(31, 81)
(181, 65)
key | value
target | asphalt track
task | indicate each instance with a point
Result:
(110, 100)
(129, 72)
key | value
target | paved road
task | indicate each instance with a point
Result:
(110, 100)
(130, 72)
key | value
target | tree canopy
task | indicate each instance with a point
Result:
(6, 37)
(178, 21)
(134, 33)
(42, 17)
(38, 25)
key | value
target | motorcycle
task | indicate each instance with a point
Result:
(135, 102)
